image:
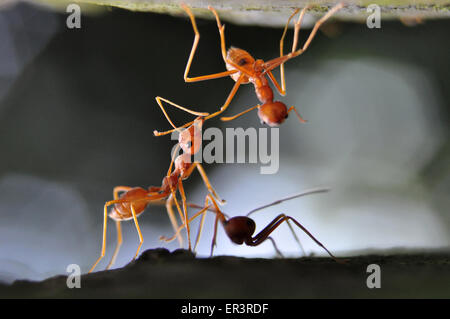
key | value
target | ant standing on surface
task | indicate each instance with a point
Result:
(243, 69)
(240, 229)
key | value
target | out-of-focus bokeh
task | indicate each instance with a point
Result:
(77, 112)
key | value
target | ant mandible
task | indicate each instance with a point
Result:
(240, 229)
(244, 69)
(134, 200)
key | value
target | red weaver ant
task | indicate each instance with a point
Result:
(133, 200)
(240, 229)
(243, 69)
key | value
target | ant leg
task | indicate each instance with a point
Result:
(169, 171)
(169, 203)
(158, 100)
(318, 24)
(262, 236)
(194, 48)
(296, 237)
(208, 184)
(169, 239)
(174, 198)
(202, 221)
(173, 220)
(297, 26)
(186, 219)
(213, 243)
(272, 64)
(119, 189)
(300, 118)
(282, 90)
(118, 245)
(116, 192)
(275, 247)
(141, 239)
(230, 118)
(200, 229)
(219, 216)
(105, 222)
(223, 47)
(221, 32)
(222, 109)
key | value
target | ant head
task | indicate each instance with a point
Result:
(241, 58)
(273, 113)
(183, 163)
(190, 139)
(239, 229)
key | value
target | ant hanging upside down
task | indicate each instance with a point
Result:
(243, 69)
(240, 229)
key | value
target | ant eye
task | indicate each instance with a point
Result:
(189, 144)
(242, 62)
(287, 115)
(262, 122)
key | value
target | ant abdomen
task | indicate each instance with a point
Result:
(273, 113)
(122, 211)
(239, 229)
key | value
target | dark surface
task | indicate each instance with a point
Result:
(161, 274)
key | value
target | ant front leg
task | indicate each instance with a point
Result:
(159, 99)
(222, 109)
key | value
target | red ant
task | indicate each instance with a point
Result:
(134, 200)
(243, 69)
(240, 229)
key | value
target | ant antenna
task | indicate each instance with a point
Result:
(308, 192)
